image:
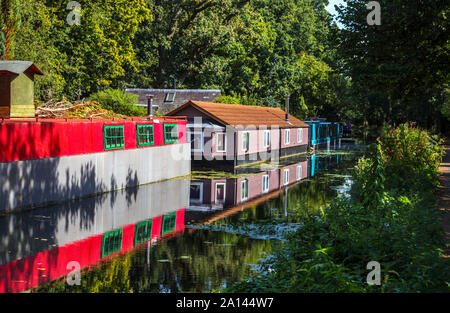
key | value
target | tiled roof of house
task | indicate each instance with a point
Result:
(167, 100)
(243, 115)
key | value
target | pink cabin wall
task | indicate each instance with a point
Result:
(233, 186)
(255, 184)
(293, 172)
(257, 141)
(294, 139)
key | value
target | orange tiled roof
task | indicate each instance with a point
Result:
(244, 115)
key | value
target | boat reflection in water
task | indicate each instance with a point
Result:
(319, 163)
(40, 246)
(223, 196)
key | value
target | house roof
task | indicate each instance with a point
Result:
(243, 115)
(169, 99)
(18, 67)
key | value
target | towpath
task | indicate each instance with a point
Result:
(444, 193)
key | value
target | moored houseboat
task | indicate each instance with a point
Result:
(46, 161)
(325, 135)
(234, 135)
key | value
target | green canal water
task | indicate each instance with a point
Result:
(218, 247)
(197, 234)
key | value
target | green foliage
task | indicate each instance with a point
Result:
(258, 50)
(100, 47)
(254, 50)
(36, 30)
(119, 102)
(390, 218)
(398, 64)
(10, 19)
(79, 59)
(108, 276)
(2, 42)
(238, 99)
(446, 104)
(412, 156)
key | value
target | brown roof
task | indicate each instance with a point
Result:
(243, 115)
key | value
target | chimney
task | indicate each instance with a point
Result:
(150, 105)
(174, 83)
(287, 107)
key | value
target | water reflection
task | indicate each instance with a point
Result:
(271, 212)
(222, 196)
(175, 236)
(38, 245)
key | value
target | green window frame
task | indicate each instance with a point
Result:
(111, 242)
(169, 223)
(143, 232)
(170, 133)
(145, 135)
(114, 137)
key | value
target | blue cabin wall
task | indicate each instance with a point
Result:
(323, 134)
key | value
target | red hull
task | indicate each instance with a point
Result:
(25, 140)
(50, 265)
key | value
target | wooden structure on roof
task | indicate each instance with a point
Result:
(17, 88)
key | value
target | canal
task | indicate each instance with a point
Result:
(183, 235)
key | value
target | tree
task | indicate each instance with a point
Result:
(402, 58)
(183, 37)
(100, 47)
(10, 19)
(35, 41)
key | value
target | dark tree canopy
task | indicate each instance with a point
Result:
(255, 51)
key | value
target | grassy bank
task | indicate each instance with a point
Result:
(390, 218)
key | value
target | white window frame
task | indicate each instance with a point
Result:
(286, 182)
(265, 177)
(266, 135)
(245, 181)
(299, 173)
(247, 146)
(170, 97)
(224, 193)
(201, 192)
(299, 135)
(225, 142)
(202, 140)
(287, 136)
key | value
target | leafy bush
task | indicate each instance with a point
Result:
(120, 102)
(238, 99)
(412, 156)
(391, 218)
